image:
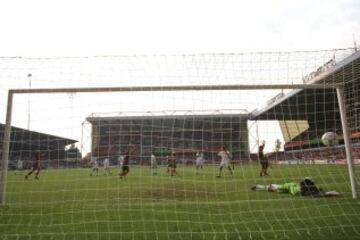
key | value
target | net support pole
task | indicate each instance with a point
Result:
(5, 149)
(347, 142)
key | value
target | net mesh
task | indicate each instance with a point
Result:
(225, 164)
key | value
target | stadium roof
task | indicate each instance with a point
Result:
(319, 106)
(325, 77)
(35, 140)
(168, 114)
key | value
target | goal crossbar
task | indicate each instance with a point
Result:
(174, 88)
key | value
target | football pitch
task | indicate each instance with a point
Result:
(69, 204)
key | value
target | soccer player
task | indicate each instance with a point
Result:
(289, 187)
(121, 159)
(306, 187)
(106, 164)
(153, 164)
(95, 166)
(199, 161)
(125, 165)
(172, 164)
(19, 166)
(225, 161)
(36, 166)
(168, 163)
(264, 162)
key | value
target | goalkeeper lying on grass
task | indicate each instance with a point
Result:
(305, 188)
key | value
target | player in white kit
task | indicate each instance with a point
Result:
(153, 164)
(199, 161)
(19, 166)
(95, 166)
(121, 159)
(225, 161)
(106, 166)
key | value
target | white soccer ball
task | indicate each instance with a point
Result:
(329, 139)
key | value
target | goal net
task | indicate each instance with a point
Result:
(207, 146)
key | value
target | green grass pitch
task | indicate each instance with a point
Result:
(69, 204)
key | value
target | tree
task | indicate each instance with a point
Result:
(73, 155)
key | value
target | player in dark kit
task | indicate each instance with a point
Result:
(36, 166)
(263, 160)
(125, 166)
(172, 164)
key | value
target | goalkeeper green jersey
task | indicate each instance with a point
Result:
(290, 187)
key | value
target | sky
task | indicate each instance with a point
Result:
(87, 28)
(37, 30)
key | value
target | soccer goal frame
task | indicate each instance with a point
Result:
(13, 92)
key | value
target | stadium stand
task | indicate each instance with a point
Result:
(25, 143)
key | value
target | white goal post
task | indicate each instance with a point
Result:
(13, 92)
